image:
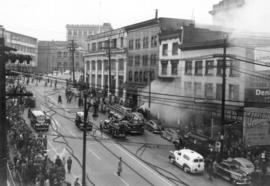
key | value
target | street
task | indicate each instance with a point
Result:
(145, 158)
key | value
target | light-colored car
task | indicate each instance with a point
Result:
(137, 116)
(189, 160)
(243, 164)
(170, 134)
(153, 126)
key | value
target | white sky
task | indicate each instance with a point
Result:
(46, 19)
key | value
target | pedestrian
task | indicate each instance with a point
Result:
(58, 161)
(55, 84)
(76, 182)
(69, 163)
(59, 99)
(210, 170)
(119, 170)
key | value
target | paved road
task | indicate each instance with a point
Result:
(102, 154)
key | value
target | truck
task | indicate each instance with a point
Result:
(114, 128)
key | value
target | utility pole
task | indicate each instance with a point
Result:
(223, 94)
(84, 140)
(3, 127)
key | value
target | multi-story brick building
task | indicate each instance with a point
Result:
(143, 52)
(97, 61)
(26, 45)
(54, 55)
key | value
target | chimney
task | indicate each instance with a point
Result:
(156, 16)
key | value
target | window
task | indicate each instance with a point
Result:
(140, 76)
(85, 33)
(234, 68)
(174, 65)
(219, 68)
(175, 48)
(153, 59)
(99, 46)
(154, 41)
(130, 76)
(69, 32)
(93, 65)
(198, 67)
(59, 54)
(138, 44)
(165, 49)
(145, 42)
(87, 65)
(99, 65)
(209, 90)
(219, 92)
(121, 65)
(137, 60)
(113, 43)
(209, 67)
(106, 65)
(65, 54)
(188, 68)
(130, 61)
(136, 76)
(94, 47)
(234, 92)
(152, 75)
(145, 60)
(164, 66)
(121, 42)
(186, 157)
(145, 76)
(130, 44)
(197, 89)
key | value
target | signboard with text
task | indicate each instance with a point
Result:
(256, 126)
(257, 96)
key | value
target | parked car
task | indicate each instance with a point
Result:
(231, 172)
(243, 164)
(170, 134)
(153, 126)
(189, 160)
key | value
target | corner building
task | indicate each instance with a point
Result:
(97, 62)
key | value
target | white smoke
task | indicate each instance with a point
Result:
(253, 16)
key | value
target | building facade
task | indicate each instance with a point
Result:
(143, 52)
(188, 94)
(102, 46)
(55, 56)
(25, 45)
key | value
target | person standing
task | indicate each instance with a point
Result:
(119, 170)
(69, 163)
(76, 182)
(59, 99)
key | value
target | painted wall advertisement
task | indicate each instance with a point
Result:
(256, 126)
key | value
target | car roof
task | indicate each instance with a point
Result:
(192, 154)
(38, 113)
(80, 114)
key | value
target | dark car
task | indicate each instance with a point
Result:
(232, 173)
(79, 122)
(153, 126)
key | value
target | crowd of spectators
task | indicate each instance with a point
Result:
(28, 157)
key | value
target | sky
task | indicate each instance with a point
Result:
(46, 19)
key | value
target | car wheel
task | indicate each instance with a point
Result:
(232, 181)
(186, 169)
(171, 160)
